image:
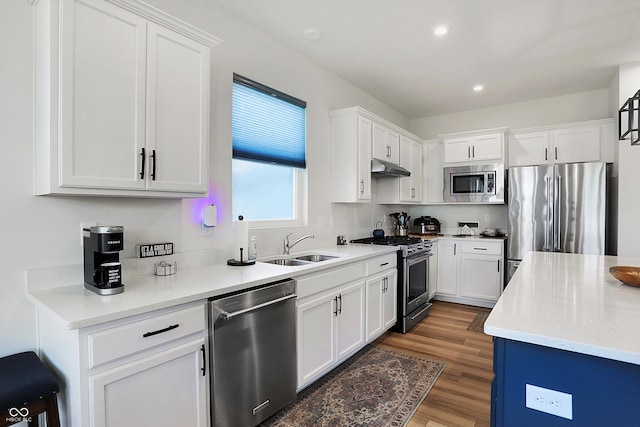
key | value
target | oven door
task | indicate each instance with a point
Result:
(416, 282)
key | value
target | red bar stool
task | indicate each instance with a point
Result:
(27, 388)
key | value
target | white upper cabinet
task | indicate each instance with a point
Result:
(357, 136)
(351, 137)
(568, 143)
(486, 146)
(411, 159)
(386, 144)
(122, 101)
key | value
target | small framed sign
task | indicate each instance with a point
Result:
(155, 249)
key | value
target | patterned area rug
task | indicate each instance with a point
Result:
(375, 387)
(477, 324)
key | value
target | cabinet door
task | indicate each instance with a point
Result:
(580, 144)
(102, 98)
(390, 300)
(380, 148)
(433, 172)
(393, 145)
(350, 319)
(365, 128)
(316, 318)
(411, 159)
(529, 149)
(457, 150)
(433, 270)
(375, 288)
(480, 277)
(487, 147)
(178, 111)
(169, 389)
(447, 267)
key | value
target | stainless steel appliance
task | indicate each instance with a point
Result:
(253, 361)
(426, 225)
(474, 183)
(561, 208)
(102, 268)
(413, 278)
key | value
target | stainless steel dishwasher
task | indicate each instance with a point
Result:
(253, 362)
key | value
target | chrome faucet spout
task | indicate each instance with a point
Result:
(286, 246)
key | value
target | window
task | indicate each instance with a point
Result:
(269, 156)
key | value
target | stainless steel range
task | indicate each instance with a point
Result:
(413, 277)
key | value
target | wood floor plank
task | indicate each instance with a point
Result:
(462, 395)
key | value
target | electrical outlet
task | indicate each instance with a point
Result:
(487, 218)
(550, 401)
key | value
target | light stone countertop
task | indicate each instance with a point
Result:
(571, 302)
(77, 307)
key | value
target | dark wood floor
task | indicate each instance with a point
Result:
(461, 395)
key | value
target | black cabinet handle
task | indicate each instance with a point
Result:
(144, 158)
(335, 311)
(204, 361)
(160, 331)
(153, 165)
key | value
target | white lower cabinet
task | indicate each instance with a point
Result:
(433, 270)
(470, 271)
(330, 315)
(166, 389)
(150, 369)
(382, 298)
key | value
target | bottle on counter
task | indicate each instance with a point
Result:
(253, 248)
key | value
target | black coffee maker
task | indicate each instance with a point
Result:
(102, 268)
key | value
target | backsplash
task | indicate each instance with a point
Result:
(488, 216)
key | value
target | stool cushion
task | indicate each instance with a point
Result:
(24, 379)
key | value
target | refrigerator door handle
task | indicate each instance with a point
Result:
(547, 223)
(558, 229)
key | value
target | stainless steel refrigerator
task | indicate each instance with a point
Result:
(560, 208)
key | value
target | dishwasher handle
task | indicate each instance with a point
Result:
(225, 315)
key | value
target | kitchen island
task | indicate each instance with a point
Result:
(565, 324)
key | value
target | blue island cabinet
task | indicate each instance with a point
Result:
(604, 392)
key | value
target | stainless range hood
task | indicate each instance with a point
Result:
(381, 168)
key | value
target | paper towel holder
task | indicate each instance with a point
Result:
(244, 255)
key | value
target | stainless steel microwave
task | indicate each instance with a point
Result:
(474, 184)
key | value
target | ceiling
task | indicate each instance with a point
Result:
(519, 50)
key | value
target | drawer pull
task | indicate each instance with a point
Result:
(480, 249)
(160, 331)
(383, 264)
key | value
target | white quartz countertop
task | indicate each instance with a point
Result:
(77, 307)
(571, 302)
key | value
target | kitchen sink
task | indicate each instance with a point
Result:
(316, 257)
(287, 261)
(307, 259)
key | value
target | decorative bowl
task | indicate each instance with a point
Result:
(626, 274)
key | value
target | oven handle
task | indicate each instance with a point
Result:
(414, 260)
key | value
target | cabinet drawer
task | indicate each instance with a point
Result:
(312, 284)
(114, 343)
(381, 263)
(481, 248)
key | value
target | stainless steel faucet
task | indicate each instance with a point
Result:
(286, 245)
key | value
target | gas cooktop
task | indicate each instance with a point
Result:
(389, 240)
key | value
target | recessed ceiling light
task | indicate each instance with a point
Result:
(312, 33)
(440, 30)
(478, 88)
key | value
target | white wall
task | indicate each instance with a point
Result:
(549, 111)
(628, 168)
(43, 231)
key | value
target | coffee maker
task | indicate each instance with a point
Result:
(102, 268)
